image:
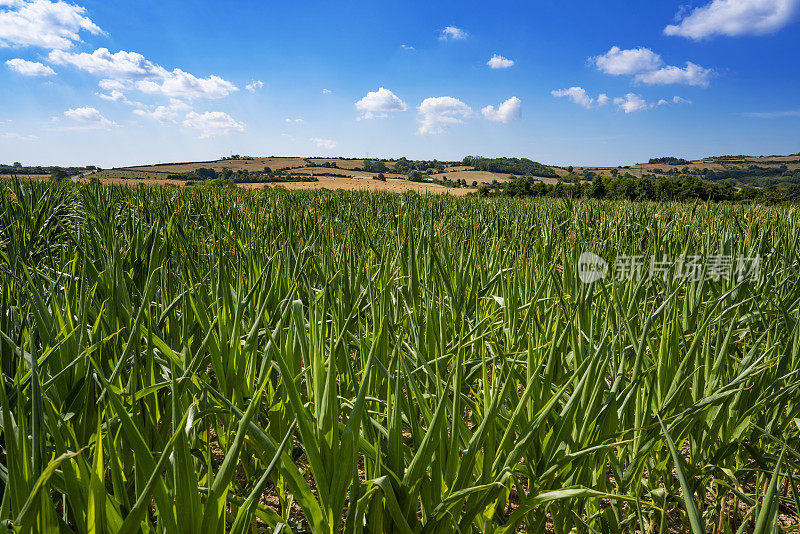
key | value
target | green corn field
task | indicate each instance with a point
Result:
(223, 360)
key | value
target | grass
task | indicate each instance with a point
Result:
(209, 360)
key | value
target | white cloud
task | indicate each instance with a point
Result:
(437, 112)
(182, 84)
(296, 121)
(380, 103)
(147, 76)
(114, 85)
(406, 47)
(164, 114)
(44, 24)
(647, 67)
(692, 74)
(617, 61)
(120, 65)
(632, 103)
(212, 123)
(87, 119)
(673, 100)
(323, 143)
(505, 112)
(500, 62)
(29, 68)
(18, 137)
(118, 96)
(452, 33)
(254, 86)
(576, 94)
(736, 17)
(327, 92)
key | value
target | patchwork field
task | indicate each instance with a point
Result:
(354, 180)
(454, 177)
(714, 163)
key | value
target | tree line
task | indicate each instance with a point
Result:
(520, 166)
(647, 188)
(668, 160)
(19, 169)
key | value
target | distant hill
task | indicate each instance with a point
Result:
(469, 173)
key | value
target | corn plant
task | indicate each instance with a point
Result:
(214, 360)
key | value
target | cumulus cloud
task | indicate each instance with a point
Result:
(164, 114)
(452, 33)
(380, 103)
(29, 68)
(254, 86)
(329, 144)
(296, 121)
(146, 76)
(182, 84)
(647, 67)
(632, 103)
(327, 92)
(114, 85)
(499, 62)
(736, 17)
(212, 123)
(692, 74)
(602, 99)
(437, 112)
(505, 112)
(101, 62)
(87, 119)
(44, 24)
(617, 61)
(577, 94)
(406, 47)
(118, 96)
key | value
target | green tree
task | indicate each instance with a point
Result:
(57, 174)
(375, 166)
(598, 187)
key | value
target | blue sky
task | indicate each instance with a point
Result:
(614, 82)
